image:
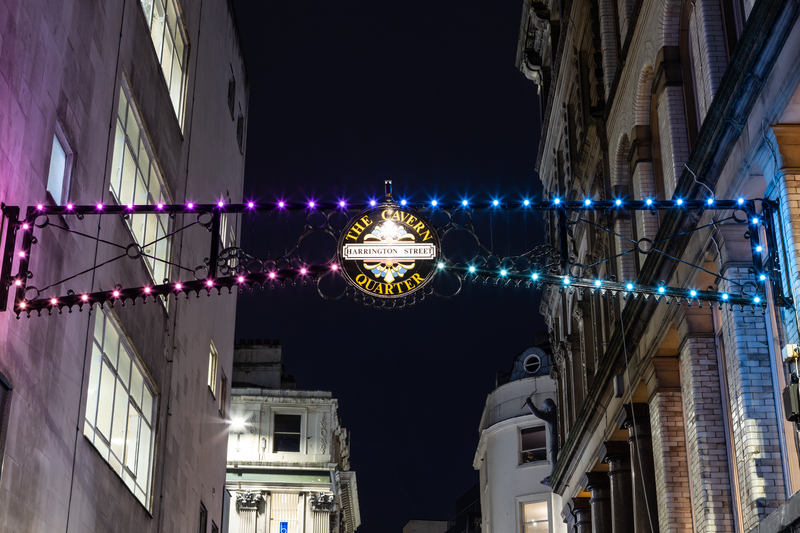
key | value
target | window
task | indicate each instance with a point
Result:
(231, 91)
(223, 394)
(169, 40)
(533, 445)
(212, 369)
(136, 179)
(227, 231)
(240, 131)
(532, 364)
(214, 528)
(5, 409)
(286, 435)
(203, 523)
(120, 406)
(535, 517)
(59, 172)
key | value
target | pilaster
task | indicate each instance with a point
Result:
(635, 418)
(617, 456)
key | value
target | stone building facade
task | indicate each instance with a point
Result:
(288, 454)
(676, 411)
(114, 419)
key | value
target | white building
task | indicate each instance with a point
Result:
(512, 452)
(288, 455)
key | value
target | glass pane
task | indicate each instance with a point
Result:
(58, 166)
(132, 129)
(176, 83)
(116, 164)
(166, 58)
(111, 344)
(118, 430)
(136, 386)
(143, 461)
(124, 366)
(137, 227)
(144, 159)
(171, 15)
(94, 383)
(147, 404)
(147, 6)
(535, 516)
(122, 110)
(101, 447)
(179, 46)
(141, 189)
(88, 431)
(127, 178)
(99, 321)
(106, 401)
(155, 187)
(133, 438)
(287, 423)
(150, 234)
(284, 442)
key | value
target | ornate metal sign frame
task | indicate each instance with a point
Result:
(551, 267)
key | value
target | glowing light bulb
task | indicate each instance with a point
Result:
(756, 299)
(755, 220)
(649, 201)
(281, 204)
(22, 254)
(403, 202)
(679, 201)
(661, 290)
(710, 201)
(129, 206)
(70, 206)
(22, 305)
(341, 203)
(220, 204)
(693, 293)
(495, 203)
(311, 204)
(526, 202)
(160, 206)
(372, 203)
(39, 207)
(557, 201)
(99, 207)
(618, 202)
(210, 283)
(53, 301)
(503, 272)
(334, 267)
(597, 283)
(724, 296)
(740, 201)
(758, 248)
(147, 290)
(116, 294)
(241, 279)
(441, 265)
(84, 297)
(629, 286)
(566, 281)
(464, 203)
(535, 275)
(272, 275)
(303, 271)
(434, 203)
(251, 205)
(472, 269)
(587, 202)
(18, 282)
(26, 226)
(178, 286)
(190, 205)
(762, 277)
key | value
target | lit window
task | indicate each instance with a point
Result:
(120, 406)
(59, 171)
(212, 369)
(136, 179)
(534, 517)
(286, 435)
(169, 40)
(533, 446)
(227, 231)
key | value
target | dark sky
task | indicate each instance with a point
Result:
(342, 96)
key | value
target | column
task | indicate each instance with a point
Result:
(582, 511)
(635, 418)
(617, 456)
(247, 507)
(598, 485)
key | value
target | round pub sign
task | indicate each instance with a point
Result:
(389, 251)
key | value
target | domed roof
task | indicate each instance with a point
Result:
(533, 362)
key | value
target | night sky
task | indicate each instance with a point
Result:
(342, 96)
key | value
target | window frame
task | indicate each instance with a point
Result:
(202, 521)
(69, 159)
(303, 414)
(520, 449)
(91, 431)
(154, 172)
(522, 501)
(213, 368)
(223, 394)
(180, 26)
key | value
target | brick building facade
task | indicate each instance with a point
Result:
(678, 407)
(113, 419)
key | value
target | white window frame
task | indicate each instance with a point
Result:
(303, 413)
(520, 451)
(521, 501)
(171, 25)
(100, 370)
(69, 157)
(143, 150)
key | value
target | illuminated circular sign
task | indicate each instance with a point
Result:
(389, 251)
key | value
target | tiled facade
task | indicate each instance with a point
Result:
(66, 70)
(686, 396)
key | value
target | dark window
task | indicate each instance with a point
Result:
(5, 408)
(240, 131)
(231, 91)
(533, 446)
(203, 519)
(214, 528)
(286, 435)
(223, 394)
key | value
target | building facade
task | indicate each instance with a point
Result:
(288, 454)
(512, 454)
(675, 412)
(113, 419)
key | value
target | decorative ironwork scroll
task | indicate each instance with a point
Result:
(458, 250)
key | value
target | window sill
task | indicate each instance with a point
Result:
(533, 463)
